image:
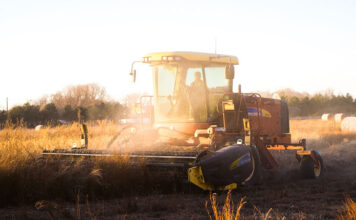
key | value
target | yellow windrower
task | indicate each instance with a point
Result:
(194, 109)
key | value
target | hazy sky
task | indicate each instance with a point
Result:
(48, 45)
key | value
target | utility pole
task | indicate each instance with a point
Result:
(7, 110)
(216, 42)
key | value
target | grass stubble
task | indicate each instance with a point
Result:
(27, 179)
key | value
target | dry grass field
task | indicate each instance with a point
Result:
(110, 189)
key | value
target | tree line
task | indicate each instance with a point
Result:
(81, 102)
(318, 104)
(90, 102)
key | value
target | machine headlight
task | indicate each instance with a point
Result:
(171, 58)
(147, 59)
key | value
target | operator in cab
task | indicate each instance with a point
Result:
(197, 98)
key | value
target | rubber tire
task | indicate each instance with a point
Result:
(307, 167)
(256, 178)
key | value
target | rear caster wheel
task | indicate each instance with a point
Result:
(311, 169)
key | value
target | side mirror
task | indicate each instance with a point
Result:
(133, 74)
(229, 72)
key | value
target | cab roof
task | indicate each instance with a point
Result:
(191, 56)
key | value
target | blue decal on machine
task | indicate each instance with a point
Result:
(244, 160)
(252, 111)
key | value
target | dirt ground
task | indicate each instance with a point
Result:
(284, 191)
(292, 198)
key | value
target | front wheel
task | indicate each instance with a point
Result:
(311, 169)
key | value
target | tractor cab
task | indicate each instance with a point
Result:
(187, 87)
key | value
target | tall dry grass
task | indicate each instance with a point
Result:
(19, 144)
(312, 128)
(349, 210)
(227, 211)
(26, 178)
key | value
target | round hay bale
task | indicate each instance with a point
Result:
(348, 124)
(38, 127)
(338, 117)
(325, 117)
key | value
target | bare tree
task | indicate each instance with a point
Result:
(80, 95)
(44, 100)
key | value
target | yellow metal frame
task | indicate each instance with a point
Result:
(195, 176)
(247, 129)
(246, 122)
(300, 149)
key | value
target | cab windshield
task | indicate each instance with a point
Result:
(188, 92)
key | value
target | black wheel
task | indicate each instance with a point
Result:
(311, 169)
(255, 176)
